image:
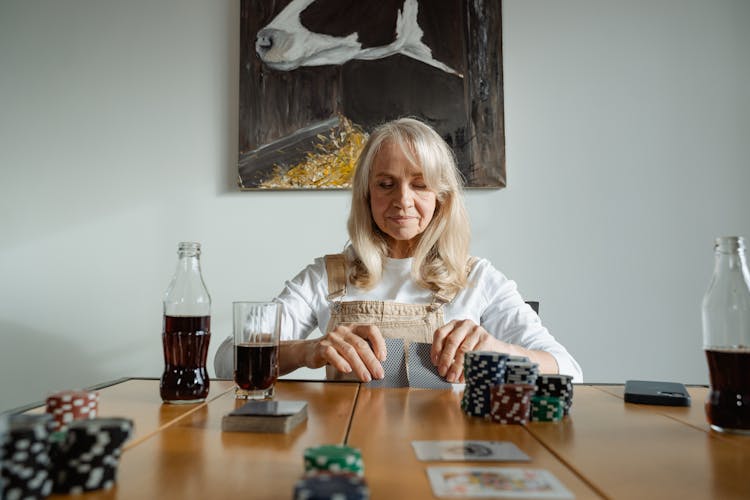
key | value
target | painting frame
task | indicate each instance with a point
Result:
(290, 117)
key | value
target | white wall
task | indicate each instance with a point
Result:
(628, 139)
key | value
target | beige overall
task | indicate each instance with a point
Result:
(411, 322)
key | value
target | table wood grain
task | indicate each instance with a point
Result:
(193, 458)
(645, 451)
(386, 421)
(606, 448)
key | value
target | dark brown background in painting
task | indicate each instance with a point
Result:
(467, 112)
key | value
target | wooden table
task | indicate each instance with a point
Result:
(606, 448)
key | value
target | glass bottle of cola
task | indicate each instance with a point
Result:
(726, 338)
(187, 331)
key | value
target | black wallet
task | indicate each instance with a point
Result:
(651, 392)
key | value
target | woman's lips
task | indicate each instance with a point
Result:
(401, 219)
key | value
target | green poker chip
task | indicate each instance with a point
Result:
(546, 409)
(334, 458)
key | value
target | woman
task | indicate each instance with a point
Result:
(407, 273)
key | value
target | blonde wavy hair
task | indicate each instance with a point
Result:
(441, 255)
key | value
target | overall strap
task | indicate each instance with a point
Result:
(336, 270)
(440, 298)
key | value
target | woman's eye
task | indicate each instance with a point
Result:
(386, 185)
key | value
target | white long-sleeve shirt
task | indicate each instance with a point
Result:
(490, 300)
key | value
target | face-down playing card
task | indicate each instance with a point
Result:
(422, 373)
(394, 366)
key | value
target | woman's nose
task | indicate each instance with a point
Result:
(404, 197)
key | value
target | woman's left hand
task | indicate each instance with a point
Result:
(454, 339)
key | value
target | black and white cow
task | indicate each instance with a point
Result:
(323, 32)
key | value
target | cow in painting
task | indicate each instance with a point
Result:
(323, 32)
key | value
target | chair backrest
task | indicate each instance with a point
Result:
(534, 305)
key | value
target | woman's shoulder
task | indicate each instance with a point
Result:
(484, 273)
(481, 265)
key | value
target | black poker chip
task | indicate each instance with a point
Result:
(88, 457)
(557, 386)
(521, 372)
(482, 371)
(331, 486)
(25, 457)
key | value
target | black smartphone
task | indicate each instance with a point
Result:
(651, 392)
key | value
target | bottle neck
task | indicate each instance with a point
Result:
(188, 263)
(187, 294)
(729, 256)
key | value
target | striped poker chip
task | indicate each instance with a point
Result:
(511, 403)
(330, 486)
(546, 409)
(521, 372)
(334, 458)
(3, 439)
(482, 371)
(25, 457)
(67, 406)
(88, 458)
(559, 386)
(518, 359)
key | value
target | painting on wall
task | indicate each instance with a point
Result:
(317, 75)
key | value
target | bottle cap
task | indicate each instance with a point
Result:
(729, 244)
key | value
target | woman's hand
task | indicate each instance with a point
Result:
(349, 348)
(454, 339)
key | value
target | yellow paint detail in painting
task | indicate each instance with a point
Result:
(330, 165)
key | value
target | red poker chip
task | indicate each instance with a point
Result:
(67, 406)
(510, 403)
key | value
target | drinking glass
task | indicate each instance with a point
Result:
(257, 328)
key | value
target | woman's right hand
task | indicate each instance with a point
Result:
(350, 348)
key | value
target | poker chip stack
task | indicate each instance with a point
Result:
(546, 409)
(511, 403)
(25, 457)
(3, 440)
(483, 370)
(328, 486)
(558, 386)
(67, 406)
(334, 458)
(521, 370)
(88, 457)
(332, 472)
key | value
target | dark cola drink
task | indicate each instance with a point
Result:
(257, 366)
(728, 402)
(185, 340)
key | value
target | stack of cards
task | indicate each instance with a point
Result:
(265, 416)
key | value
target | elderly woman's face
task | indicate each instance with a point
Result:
(401, 204)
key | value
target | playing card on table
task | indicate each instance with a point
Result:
(394, 366)
(495, 482)
(479, 451)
